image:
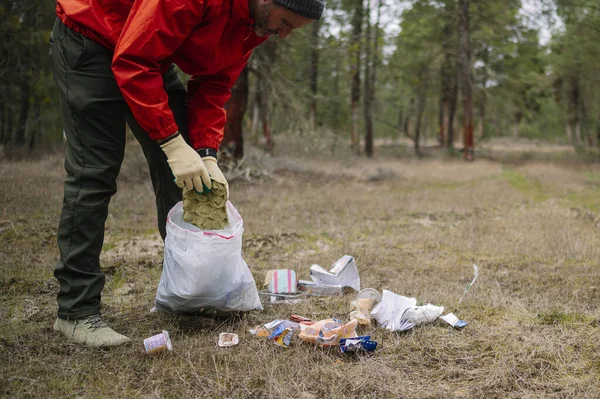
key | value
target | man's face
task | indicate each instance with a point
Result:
(272, 19)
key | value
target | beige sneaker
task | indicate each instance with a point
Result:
(90, 330)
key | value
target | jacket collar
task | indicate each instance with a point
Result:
(241, 10)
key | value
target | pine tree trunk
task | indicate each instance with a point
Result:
(36, 124)
(372, 60)
(420, 108)
(569, 133)
(578, 132)
(10, 124)
(2, 120)
(367, 103)
(451, 123)
(481, 120)
(401, 127)
(265, 56)
(418, 123)
(448, 80)
(21, 131)
(450, 59)
(574, 112)
(357, 21)
(266, 106)
(314, 73)
(456, 127)
(408, 125)
(483, 100)
(587, 137)
(466, 79)
(233, 139)
(598, 135)
(336, 103)
(255, 119)
(517, 123)
(452, 109)
(269, 143)
(442, 121)
(426, 126)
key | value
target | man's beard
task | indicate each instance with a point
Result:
(261, 20)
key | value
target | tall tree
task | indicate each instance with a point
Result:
(448, 77)
(24, 68)
(575, 69)
(368, 102)
(21, 131)
(466, 78)
(421, 100)
(264, 64)
(417, 57)
(356, 50)
(314, 73)
(371, 61)
(233, 138)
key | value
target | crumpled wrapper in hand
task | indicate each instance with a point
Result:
(206, 211)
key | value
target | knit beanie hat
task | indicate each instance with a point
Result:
(312, 9)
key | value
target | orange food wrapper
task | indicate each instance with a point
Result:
(328, 332)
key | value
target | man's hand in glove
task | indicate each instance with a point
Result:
(214, 171)
(186, 164)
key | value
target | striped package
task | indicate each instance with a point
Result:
(283, 281)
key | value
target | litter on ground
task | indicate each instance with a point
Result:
(423, 314)
(302, 320)
(314, 289)
(475, 275)
(283, 287)
(343, 272)
(282, 281)
(399, 313)
(328, 332)
(362, 305)
(390, 310)
(228, 339)
(158, 343)
(358, 344)
(282, 335)
(192, 283)
(454, 321)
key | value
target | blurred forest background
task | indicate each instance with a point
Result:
(449, 73)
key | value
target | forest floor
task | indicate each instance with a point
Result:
(530, 220)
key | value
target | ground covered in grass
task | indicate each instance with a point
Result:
(415, 227)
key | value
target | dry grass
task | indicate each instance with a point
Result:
(415, 227)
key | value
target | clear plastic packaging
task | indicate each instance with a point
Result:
(328, 332)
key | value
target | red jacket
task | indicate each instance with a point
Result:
(208, 39)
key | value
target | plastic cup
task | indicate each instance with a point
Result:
(158, 343)
(368, 295)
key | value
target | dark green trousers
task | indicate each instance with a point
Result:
(95, 116)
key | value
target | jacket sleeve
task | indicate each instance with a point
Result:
(207, 97)
(152, 33)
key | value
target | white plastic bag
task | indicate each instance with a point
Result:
(204, 270)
